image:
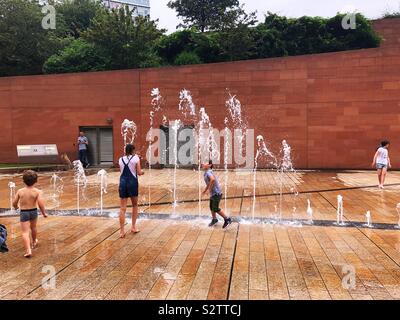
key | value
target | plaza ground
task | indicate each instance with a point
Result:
(172, 259)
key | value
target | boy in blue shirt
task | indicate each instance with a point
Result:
(212, 183)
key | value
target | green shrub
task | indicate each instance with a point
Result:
(186, 57)
(79, 56)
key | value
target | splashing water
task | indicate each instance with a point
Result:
(236, 122)
(262, 151)
(80, 181)
(206, 136)
(11, 186)
(175, 127)
(226, 154)
(186, 104)
(156, 99)
(309, 211)
(102, 176)
(128, 131)
(205, 144)
(234, 107)
(339, 212)
(368, 217)
(57, 184)
(156, 106)
(285, 165)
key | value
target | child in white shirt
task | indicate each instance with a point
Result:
(382, 162)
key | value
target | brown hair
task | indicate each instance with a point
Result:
(30, 177)
(129, 148)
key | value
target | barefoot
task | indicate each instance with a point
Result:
(28, 255)
(122, 234)
(135, 230)
(35, 244)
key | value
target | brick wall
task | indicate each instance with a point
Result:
(332, 108)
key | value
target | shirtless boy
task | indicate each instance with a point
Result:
(28, 199)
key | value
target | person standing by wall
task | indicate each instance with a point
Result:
(83, 144)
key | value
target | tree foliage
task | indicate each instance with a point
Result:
(206, 15)
(24, 44)
(79, 56)
(89, 37)
(78, 14)
(204, 46)
(127, 42)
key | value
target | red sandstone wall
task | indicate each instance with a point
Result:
(50, 109)
(389, 30)
(332, 108)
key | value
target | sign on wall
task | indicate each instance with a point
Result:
(38, 153)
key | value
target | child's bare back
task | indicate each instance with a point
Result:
(28, 198)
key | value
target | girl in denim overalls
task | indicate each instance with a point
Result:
(129, 186)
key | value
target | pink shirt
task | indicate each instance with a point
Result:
(132, 164)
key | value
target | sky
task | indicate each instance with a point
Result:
(292, 8)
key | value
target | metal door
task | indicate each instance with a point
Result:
(106, 152)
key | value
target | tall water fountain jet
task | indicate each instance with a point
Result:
(207, 143)
(11, 186)
(237, 123)
(226, 155)
(102, 176)
(286, 165)
(175, 128)
(339, 212)
(309, 211)
(262, 150)
(155, 107)
(368, 217)
(80, 181)
(128, 131)
(57, 185)
(234, 107)
(186, 104)
(200, 141)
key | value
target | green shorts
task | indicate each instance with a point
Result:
(214, 203)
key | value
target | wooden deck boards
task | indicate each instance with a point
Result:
(172, 259)
(188, 260)
(321, 188)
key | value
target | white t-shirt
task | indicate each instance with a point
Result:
(382, 156)
(132, 164)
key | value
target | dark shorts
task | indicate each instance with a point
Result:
(28, 215)
(128, 188)
(381, 166)
(214, 203)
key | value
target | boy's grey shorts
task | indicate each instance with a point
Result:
(28, 215)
